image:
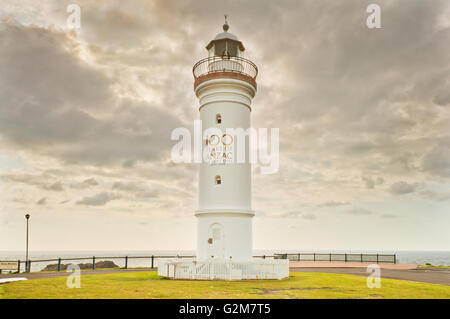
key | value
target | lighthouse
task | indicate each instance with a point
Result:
(225, 84)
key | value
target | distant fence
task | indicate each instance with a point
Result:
(122, 261)
(363, 258)
(152, 261)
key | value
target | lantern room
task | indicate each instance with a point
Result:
(225, 45)
(225, 60)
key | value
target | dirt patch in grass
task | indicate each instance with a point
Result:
(265, 292)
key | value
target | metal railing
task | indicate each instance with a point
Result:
(352, 257)
(124, 261)
(232, 64)
(151, 261)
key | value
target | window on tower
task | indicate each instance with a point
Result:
(218, 119)
(218, 180)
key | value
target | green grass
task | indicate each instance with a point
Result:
(430, 265)
(149, 285)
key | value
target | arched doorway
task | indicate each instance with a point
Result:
(216, 241)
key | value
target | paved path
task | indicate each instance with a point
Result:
(432, 275)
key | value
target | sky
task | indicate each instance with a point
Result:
(86, 116)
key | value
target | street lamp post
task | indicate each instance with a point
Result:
(27, 216)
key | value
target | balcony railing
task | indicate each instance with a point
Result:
(219, 65)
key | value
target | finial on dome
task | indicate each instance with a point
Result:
(226, 26)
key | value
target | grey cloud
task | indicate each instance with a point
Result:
(358, 212)
(401, 188)
(38, 180)
(437, 161)
(291, 214)
(436, 196)
(42, 201)
(148, 194)
(309, 216)
(89, 182)
(128, 187)
(64, 113)
(294, 214)
(387, 215)
(57, 186)
(334, 204)
(140, 190)
(372, 182)
(99, 199)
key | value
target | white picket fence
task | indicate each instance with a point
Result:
(225, 269)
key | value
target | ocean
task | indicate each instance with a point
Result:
(404, 257)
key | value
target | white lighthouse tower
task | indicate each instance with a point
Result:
(225, 84)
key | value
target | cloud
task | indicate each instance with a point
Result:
(99, 199)
(388, 216)
(61, 100)
(147, 194)
(128, 187)
(334, 204)
(309, 216)
(436, 196)
(57, 186)
(140, 190)
(372, 182)
(436, 162)
(401, 188)
(89, 182)
(358, 211)
(294, 214)
(42, 201)
(291, 214)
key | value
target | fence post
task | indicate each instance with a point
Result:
(18, 266)
(314, 256)
(264, 256)
(361, 258)
(29, 266)
(93, 262)
(330, 257)
(377, 258)
(59, 264)
(345, 257)
(298, 257)
(153, 260)
(395, 258)
(126, 262)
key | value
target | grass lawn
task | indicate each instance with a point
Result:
(149, 285)
(432, 266)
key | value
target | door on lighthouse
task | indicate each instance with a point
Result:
(216, 241)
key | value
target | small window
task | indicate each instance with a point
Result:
(218, 119)
(218, 180)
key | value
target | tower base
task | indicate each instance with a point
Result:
(225, 269)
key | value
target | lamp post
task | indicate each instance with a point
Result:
(27, 216)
